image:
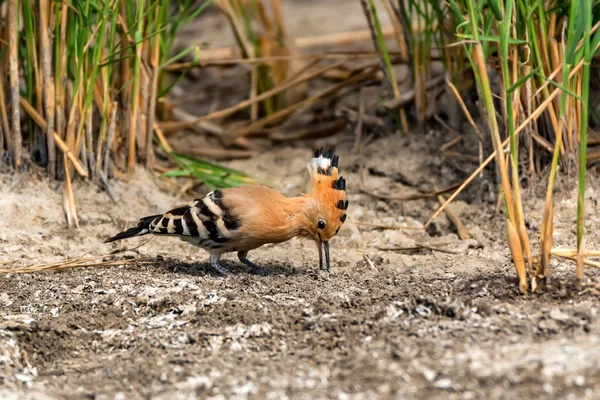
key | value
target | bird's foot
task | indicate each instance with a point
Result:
(220, 269)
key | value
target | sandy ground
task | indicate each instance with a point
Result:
(382, 324)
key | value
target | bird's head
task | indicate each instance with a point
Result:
(325, 210)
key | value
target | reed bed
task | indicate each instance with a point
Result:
(81, 83)
(84, 92)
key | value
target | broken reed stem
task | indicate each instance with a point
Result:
(463, 232)
(161, 138)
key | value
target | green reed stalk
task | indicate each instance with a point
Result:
(585, 7)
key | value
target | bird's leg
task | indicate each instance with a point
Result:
(214, 262)
(243, 256)
(320, 247)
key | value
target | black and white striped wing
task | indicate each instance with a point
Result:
(206, 219)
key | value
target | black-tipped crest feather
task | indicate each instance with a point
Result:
(342, 205)
(340, 184)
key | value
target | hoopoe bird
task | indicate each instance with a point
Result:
(241, 219)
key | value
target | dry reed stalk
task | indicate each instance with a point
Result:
(305, 103)
(83, 156)
(419, 72)
(253, 93)
(589, 263)
(461, 229)
(126, 92)
(239, 32)
(61, 74)
(467, 114)
(452, 142)
(278, 17)
(3, 113)
(542, 142)
(173, 126)
(13, 61)
(520, 219)
(161, 138)
(88, 147)
(562, 252)
(516, 250)
(76, 263)
(109, 137)
(135, 93)
(480, 66)
(144, 102)
(381, 226)
(399, 28)
(69, 198)
(154, 68)
(48, 87)
(420, 246)
(74, 95)
(530, 128)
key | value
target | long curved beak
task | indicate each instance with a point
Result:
(320, 245)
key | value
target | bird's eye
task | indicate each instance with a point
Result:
(321, 224)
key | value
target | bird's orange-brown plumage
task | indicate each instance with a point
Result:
(244, 218)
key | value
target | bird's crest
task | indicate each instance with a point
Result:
(326, 184)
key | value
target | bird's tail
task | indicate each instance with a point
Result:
(142, 228)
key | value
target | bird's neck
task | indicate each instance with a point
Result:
(296, 208)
